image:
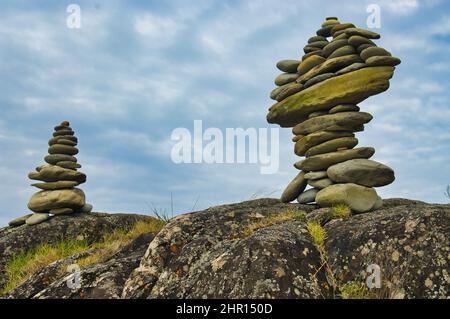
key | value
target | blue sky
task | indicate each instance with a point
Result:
(136, 70)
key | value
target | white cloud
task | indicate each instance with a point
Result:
(401, 7)
(159, 31)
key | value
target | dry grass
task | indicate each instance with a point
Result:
(26, 263)
(273, 219)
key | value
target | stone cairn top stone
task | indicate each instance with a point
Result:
(318, 97)
(58, 181)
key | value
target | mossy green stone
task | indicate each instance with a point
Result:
(323, 161)
(332, 146)
(349, 88)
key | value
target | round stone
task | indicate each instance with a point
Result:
(345, 50)
(288, 90)
(86, 209)
(62, 127)
(63, 132)
(297, 137)
(285, 78)
(65, 123)
(331, 21)
(332, 122)
(19, 221)
(68, 165)
(362, 47)
(54, 140)
(341, 27)
(323, 161)
(326, 31)
(317, 79)
(357, 40)
(309, 63)
(66, 142)
(358, 198)
(276, 91)
(373, 51)
(316, 175)
(316, 38)
(318, 44)
(53, 173)
(333, 46)
(313, 139)
(383, 61)
(61, 211)
(62, 149)
(55, 158)
(309, 49)
(318, 53)
(38, 218)
(316, 114)
(56, 185)
(45, 201)
(362, 172)
(294, 188)
(344, 108)
(289, 66)
(351, 68)
(362, 32)
(332, 146)
(308, 196)
(320, 183)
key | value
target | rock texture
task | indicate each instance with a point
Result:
(243, 251)
(89, 227)
(333, 77)
(210, 255)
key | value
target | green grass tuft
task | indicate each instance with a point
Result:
(317, 233)
(340, 211)
(355, 290)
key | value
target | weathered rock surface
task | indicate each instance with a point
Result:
(349, 88)
(212, 253)
(90, 227)
(204, 255)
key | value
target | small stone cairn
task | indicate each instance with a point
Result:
(58, 180)
(318, 97)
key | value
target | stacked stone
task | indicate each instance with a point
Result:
(331, 74)
(58, 180)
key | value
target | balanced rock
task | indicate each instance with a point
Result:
(320, 183)
(332, 122)
(323, 161)
(38, 218)
(349, 88)
(316, 175)
(19, 221)
(44, 201)
(358, 198)
(308, 196)
(289, 66)
(58, 195)
(362, 172)
(316, 138)
(332, 146)
(294, 188)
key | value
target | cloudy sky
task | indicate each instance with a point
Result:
(136, 70)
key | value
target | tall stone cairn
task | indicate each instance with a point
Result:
(318, 97)
(58, 180)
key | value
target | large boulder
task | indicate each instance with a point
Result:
(210, 254)
(90, 227)
(349, 88)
